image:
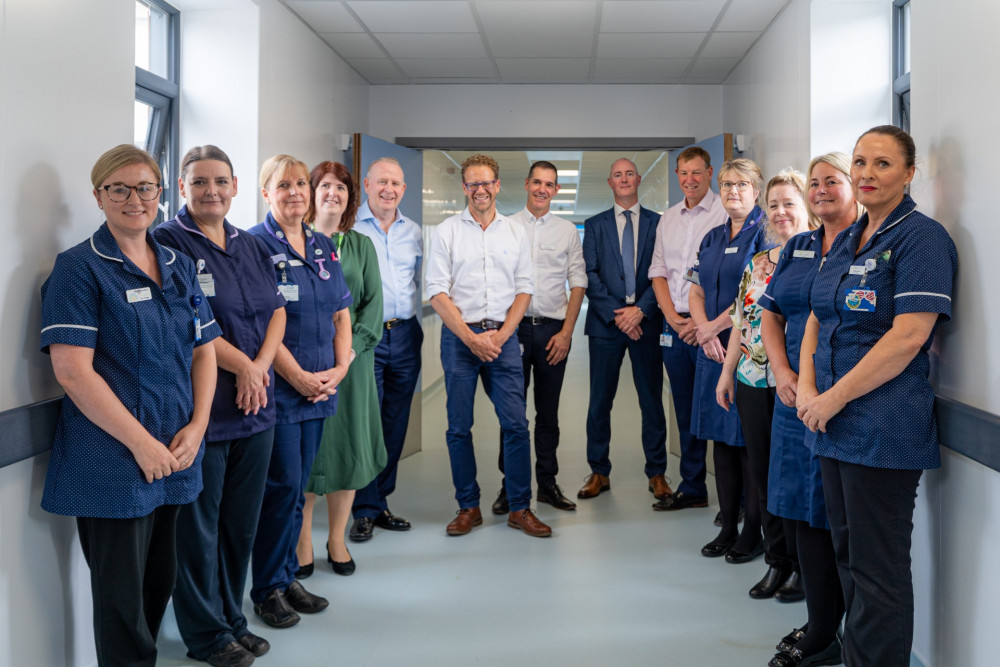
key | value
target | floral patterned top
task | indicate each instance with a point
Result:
(753, 368)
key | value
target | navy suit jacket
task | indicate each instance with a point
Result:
(606, 277)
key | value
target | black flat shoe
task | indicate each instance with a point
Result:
(389, 521)
(343, 569)
(232, 654)
(304, 571)
(735, 557)
(361, 530)
(791, 590)
(791, 639)
(256, 645)
(771, 582)
(715, 549)
(553, 495)
(680, 501)
(275, 610)
(794, 658)
(500, 505)
(303, 601)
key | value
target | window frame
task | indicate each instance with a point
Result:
(901, 112)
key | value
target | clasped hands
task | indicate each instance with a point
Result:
(629, 321)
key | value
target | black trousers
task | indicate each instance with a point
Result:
(132, 569)
(756, 408)
(871, 521)
(548, 386)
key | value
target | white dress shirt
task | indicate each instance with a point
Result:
(678, 238)
(399, 254)
(556, 259)
(481, 271)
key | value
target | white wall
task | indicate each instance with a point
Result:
(566, 111)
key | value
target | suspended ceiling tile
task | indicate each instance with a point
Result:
(729, 44)
(639, 70)
(349, 45)
(433, 45)
(447, 68)
(712, 68)
(671, 16)
(325, 16)
(535, 70)
(527, 29)
(376, 68)
(649, 44)
(750, 14)
(415, 15)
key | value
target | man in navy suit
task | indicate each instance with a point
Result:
(623, 315)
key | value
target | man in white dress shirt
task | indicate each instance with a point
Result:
(678, 237)
(479, 281)
(546, 332)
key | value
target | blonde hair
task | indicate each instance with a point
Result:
(793, 177)
(280, 165)
(744, 168)
(480, 160)
(842, 163)
(120, 156)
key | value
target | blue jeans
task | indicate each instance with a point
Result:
(503, 380)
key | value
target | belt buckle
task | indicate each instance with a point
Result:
(537, 319)
(389, 324)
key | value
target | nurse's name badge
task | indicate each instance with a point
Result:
(666, 340)
(859, 300)
(732, 250)
(207, 284)
(139, 294)
(803, 254)
(289, 290)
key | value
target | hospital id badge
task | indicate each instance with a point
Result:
(859, 300)
(691, 275)
(289, 291)
(207, 284)
(666, 340)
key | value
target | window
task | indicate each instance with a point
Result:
(156, 92)
(901, 64)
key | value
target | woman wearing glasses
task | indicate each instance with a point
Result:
(723, 254)
(126, 326)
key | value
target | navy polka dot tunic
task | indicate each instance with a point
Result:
(143, 337)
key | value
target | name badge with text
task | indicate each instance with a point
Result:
(207, 284)
(139, 294)
(804, 254)
(732, 250)
(289, 291)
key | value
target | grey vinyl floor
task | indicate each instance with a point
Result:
(616, 584)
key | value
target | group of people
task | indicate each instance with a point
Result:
(792, 318)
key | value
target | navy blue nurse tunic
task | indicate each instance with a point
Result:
(908, 266)
(795, 485)
(239, 283)
(143, 337)
(311, 303)
(719, 267)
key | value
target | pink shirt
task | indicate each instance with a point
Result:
(678, 237)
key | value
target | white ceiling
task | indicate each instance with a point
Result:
(540, 41)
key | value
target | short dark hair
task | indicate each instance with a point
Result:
(206, 152)
(341, 173)
(543, 164)
(692, 152)
(902, 139)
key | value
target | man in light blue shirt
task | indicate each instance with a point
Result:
(399, 246)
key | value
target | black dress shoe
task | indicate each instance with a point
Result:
(361, 529)
(715, 549)
(389, 521)
(232, 654)
(553, 495)
(737, 557)
(771, 582)
(275, 610)
(304, 571)
(680, 501)
(303, 601)
(831, 655)
(791, 639)
(500, 505)
(791, 590)
(343, 569)
(256, 645)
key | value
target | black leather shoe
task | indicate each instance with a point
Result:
(275, 610)
(361, 529)
(715, 549)
(791, 639)
(343, 569)
(256, 645)
(680, 501)
(771, 582)
(737, 557)
(389, 521)
(303, 601)
(553, 495)
(500, 505)
(232, 654)
(791, 590)
(795, 658)
(304, 571)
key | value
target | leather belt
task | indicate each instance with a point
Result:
(393, 323)
(489, 325)
(537, 319)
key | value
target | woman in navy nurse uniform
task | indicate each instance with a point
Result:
(215, 533)
(126, 326)
(795, 487)
(864, 393)
(311, 361)
(723, 255)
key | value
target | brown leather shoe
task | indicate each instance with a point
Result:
(659, 488)
(466, 520)
(525, 520)
(594, 485)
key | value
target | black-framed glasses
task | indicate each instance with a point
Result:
(119, 192)
(472, 187)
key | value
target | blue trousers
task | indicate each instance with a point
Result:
(679, 360)
(274, 560)
(215, 535)
(503, 380)
(397, 369)
(606, 356)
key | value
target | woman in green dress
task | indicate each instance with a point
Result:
(352, 452)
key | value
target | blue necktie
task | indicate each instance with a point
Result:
(628, 255)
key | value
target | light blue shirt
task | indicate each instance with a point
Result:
(399, 256)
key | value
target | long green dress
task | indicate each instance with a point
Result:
(352, 452)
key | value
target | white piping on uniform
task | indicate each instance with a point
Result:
(99, 254)
(69, 326)
(943, 296)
